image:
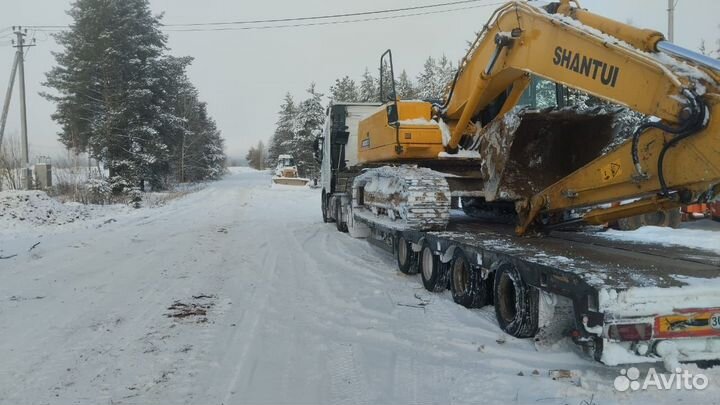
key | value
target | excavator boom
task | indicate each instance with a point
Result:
(672, 159)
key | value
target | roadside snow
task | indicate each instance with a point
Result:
(239, 293)
(32, 209)
(693, 238)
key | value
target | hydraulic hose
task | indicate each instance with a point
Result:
(693, 124)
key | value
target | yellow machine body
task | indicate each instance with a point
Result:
(414, 136)
(584, 51)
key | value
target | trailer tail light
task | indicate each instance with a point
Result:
(630, 332)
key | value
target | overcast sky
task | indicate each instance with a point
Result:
(243, 75)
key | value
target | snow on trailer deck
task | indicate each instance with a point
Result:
(287, 310)
(600, 262)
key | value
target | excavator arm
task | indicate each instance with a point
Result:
(674, 159)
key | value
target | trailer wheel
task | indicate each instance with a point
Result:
(433, 272)
(324, 207)
(670, 218)
(407, 260)
(467, 286)
(629, 223)
(339, 223)
(516, 303)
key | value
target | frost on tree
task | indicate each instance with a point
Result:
(282, 139)
(121, 97)
(296, 130)
(369, 91)
(344, 90)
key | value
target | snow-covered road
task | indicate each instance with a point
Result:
(280, 307)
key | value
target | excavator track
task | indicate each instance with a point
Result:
(408, 196)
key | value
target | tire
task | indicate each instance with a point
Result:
(433, 272)
(656, 218)
(407, 260)
(339, 223)
(630, 223)
(324, 208)
(675, 218)
(516, 303)
(669, 218)
(466, 284)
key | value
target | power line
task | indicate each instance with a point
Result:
(321, 17)
(267, 27)
(188, 27)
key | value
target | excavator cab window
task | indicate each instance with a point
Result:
(542, 93)
(392, 113)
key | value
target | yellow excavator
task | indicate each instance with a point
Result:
(547, 168)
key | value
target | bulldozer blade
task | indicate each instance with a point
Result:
(290, 181)
(525, 151)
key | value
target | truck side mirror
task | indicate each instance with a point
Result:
(317, 147)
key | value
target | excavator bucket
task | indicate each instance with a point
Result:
(526, 151)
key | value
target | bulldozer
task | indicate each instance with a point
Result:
(545, 168)
(286, 172)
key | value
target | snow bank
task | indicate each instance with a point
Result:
(29, 209)
(693, 238)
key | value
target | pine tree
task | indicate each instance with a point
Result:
(117, 93)
(310, 119)
(106, 77)
(426, 80)
(445, 76)
(344, 90)
(385, 88)
(405, 87)
(285, 127)
(368, 88)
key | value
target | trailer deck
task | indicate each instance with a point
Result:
(669, 289)
(598, 261)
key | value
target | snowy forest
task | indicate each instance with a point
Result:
(299, 122)
(124, 100)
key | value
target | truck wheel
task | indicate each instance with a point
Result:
(467, 286)
(339, 222)
(324, 208)
(433, 272)
(516, 303)
(407, 260)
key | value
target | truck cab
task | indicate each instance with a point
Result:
(337, 150)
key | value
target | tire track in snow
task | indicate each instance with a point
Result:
(348, 384)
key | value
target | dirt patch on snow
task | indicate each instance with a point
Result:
(195, 310)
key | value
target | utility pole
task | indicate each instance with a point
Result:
(26, 176)
(8, 96)
(671, 19)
